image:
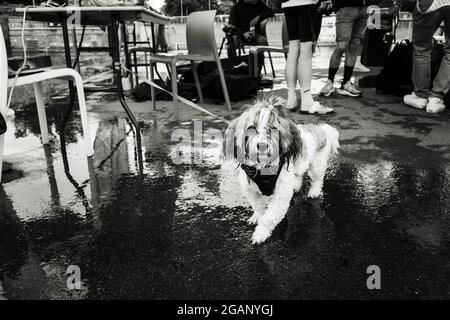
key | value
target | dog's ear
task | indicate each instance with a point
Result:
(231, 148)
(290, 142)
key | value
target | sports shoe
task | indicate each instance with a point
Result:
(414, 101)
(435, 105)
(349, 89)
(328, 89)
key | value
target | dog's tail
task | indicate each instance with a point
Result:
(332, 137)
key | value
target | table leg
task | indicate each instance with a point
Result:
(154, 44)
(69, 110)
(125, 48)
(115, 22)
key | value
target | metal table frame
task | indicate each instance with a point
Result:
(99, 16)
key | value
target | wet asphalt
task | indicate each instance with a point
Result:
(179, 231)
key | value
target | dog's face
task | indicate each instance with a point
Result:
(263, 136)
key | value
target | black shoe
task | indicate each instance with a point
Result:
(2, 125)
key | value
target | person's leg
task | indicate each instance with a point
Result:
(354, 46)
(291, 72)
(424, 26)
(441, 84)
(304, 74)
(351, 53)
(344, 27)
(304, 63)
(316, 26)
(345, 18)
(304, 69)
(260, 40)
(291, 18)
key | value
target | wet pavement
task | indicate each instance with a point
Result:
(179, 231)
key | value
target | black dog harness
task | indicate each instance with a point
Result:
(265, 182)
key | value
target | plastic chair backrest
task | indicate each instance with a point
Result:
(3, 74)
(200, 36)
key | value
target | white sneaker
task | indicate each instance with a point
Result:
(349, 89)
(435, 105)
(414, 101)
(328, 89)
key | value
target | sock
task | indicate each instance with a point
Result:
(348, 71)
(331, 73)
(292, 98)
(307, 99)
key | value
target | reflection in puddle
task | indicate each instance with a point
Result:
(180, 231)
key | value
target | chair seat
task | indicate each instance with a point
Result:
(12, 74)
(140, 49)
(268, 48)
(62, 73)
(169, 58)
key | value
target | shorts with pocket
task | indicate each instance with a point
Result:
(351, 22)
(299, 23)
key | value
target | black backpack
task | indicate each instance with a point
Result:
(240, 84)
(395, 78)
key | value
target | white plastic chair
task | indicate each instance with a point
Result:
(201, 45)
(36, 79)
(255, 50)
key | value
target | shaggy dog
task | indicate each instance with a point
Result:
(273, 154)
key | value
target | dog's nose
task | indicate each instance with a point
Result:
(262, 146)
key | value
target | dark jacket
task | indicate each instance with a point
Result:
(242, 13)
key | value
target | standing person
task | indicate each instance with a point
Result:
(245, 19)
(425, 23)
(299, 16)
(351, 25)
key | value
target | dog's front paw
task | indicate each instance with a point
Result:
(313, 194)
(260, 235)
(254, 219)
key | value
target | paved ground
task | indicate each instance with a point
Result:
(180, 231)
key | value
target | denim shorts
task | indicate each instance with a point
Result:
(351, 22)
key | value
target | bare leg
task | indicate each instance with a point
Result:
(291, 72)
(304, 74)
(351, 52)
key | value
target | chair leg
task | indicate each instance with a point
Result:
(197, 81)
(152, 89)
(173, 78)
(2, 142)
(41, 111)
(255, 63)
(224, 85)
(271, 65)
(84, 118)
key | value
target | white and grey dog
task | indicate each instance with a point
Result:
(273, 154)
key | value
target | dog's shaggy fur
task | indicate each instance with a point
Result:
(265, 140)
